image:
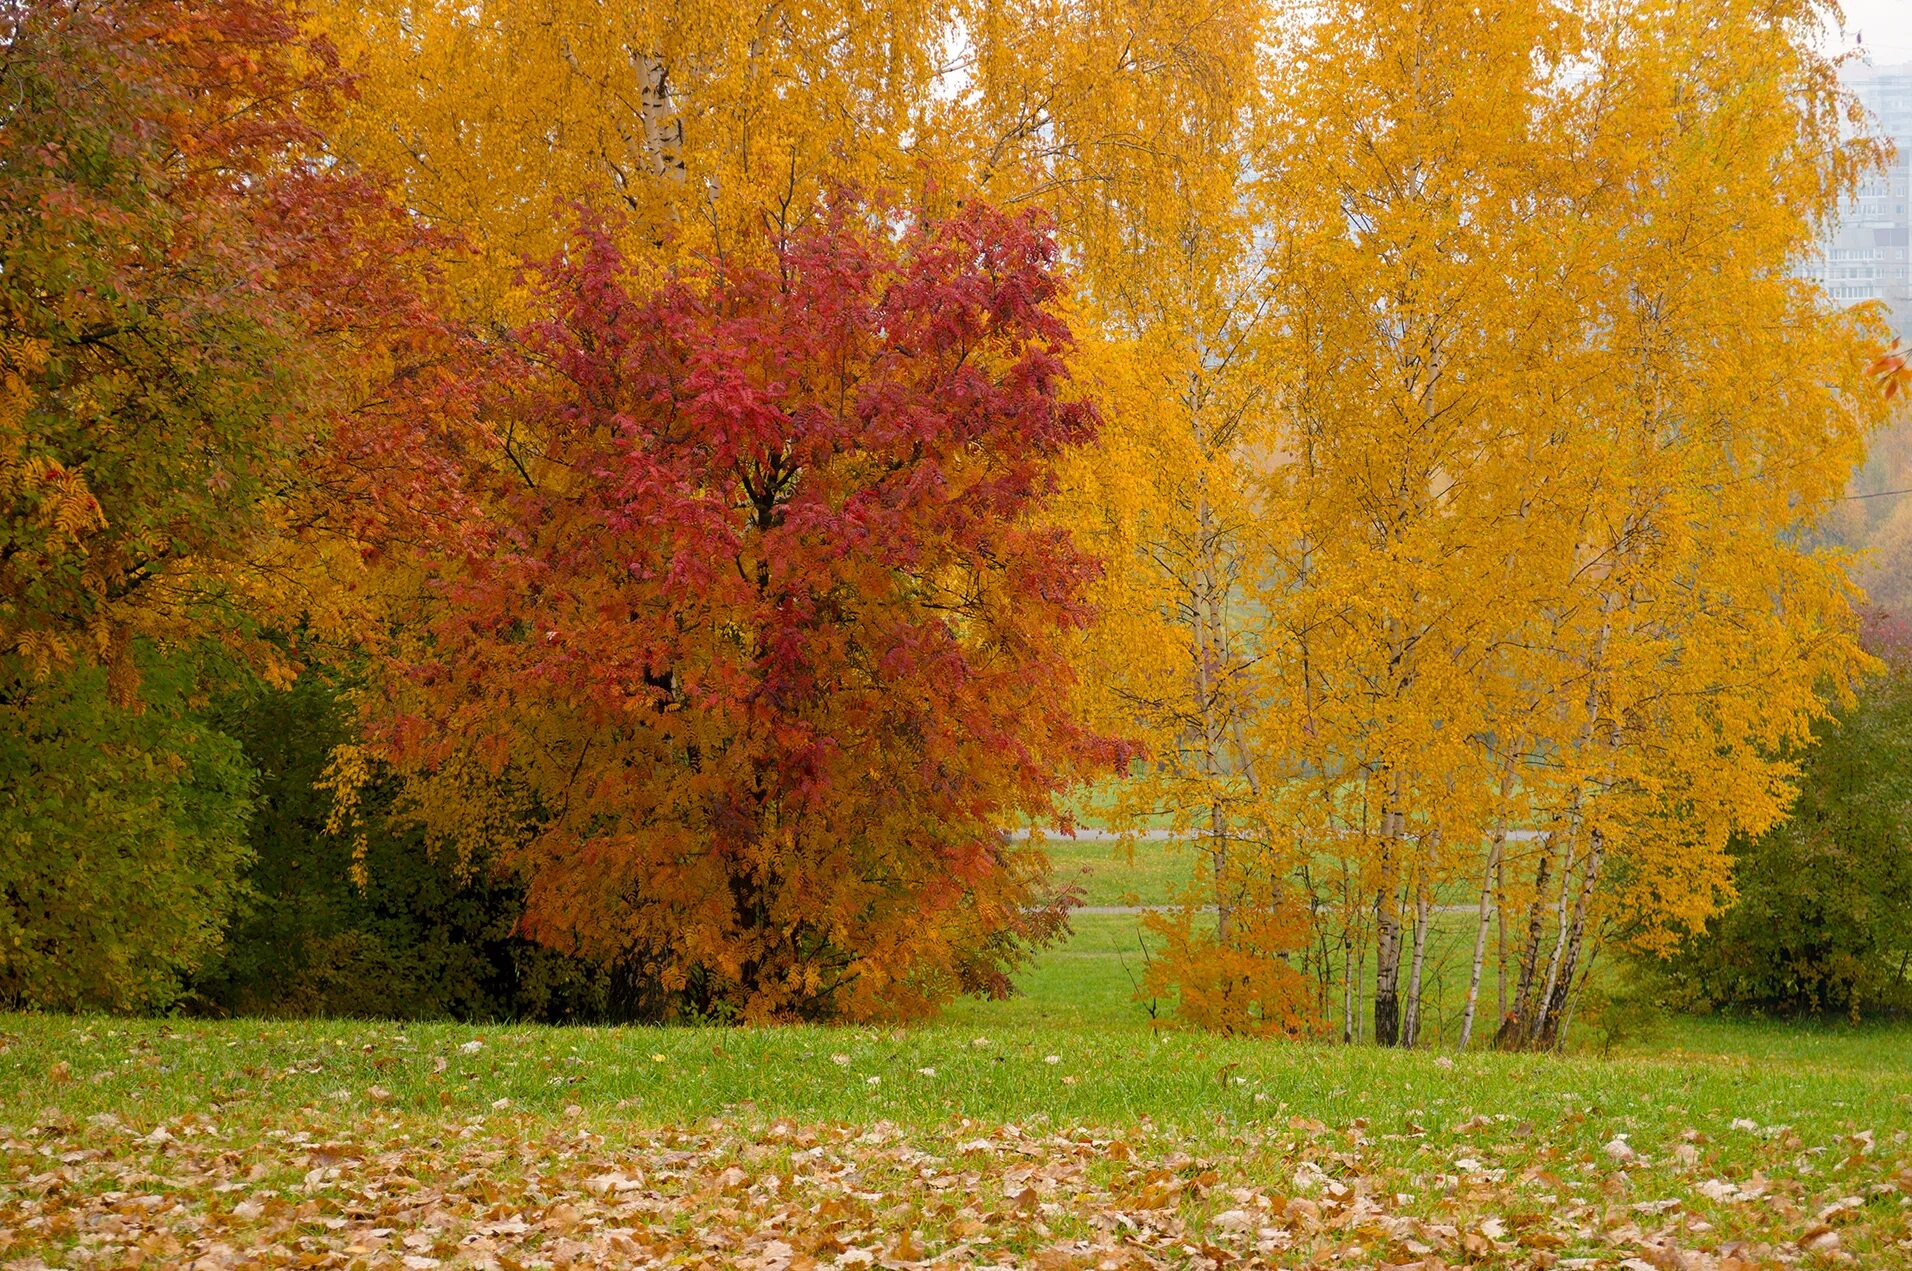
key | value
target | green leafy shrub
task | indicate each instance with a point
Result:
(122, 838)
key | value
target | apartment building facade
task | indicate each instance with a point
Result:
(1868, 254)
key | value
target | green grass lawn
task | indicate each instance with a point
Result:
(1067, 1126)
(1087, 983)
(1146, 872)
(983, 1069)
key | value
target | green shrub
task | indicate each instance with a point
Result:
(419, 938)
(1823, 921)
(121, 838)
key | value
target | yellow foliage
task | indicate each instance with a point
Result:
(1556, 418)
(1465, 423)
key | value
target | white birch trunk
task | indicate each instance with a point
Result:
(1480, 936)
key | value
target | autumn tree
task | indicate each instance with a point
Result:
(1707, 624)
(183, 263)
(1417, 311)
(1541, 618)
(196, 303)
(1130, 123)
(760, 638)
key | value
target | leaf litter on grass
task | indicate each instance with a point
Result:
(383, 1188)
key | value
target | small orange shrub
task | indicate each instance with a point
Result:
(1247, 984)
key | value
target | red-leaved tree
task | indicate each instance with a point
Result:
(762, 637)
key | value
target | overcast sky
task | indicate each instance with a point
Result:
(1886, 26)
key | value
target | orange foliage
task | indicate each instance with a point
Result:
(1248, 982)
(199, 300)
(1893, 370)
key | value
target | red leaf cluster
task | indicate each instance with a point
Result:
(1892, 370)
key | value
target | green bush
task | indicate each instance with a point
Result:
(418, 938)
(1823, 921)
(121, 838)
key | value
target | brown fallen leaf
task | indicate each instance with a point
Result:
(1303, 1213)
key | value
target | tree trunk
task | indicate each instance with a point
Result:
(1530, 948)
(1387, 972)
(658, 146)
(1411, 1025)
(1387, 931)
(1347, 985)
(1530, 1024)
(1566, 1018)
(1550, 1032)
(1218, 835)
(1360, 977)
(1423, 921)
(1500, 914)
(1217, 849)
(1537, 1017)
(1480, 936)
(1210, 656)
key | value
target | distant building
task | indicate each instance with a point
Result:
(1868, 255)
